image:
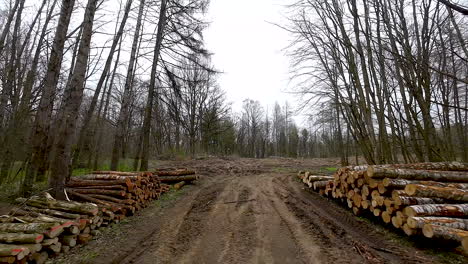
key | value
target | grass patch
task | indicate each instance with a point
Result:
(331, 169)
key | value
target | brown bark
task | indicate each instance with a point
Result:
(60, 169)
(447, 193)
(179, 185)
(12, 250)
(177, 172)
(77, 183)
(68, 240)
(178, 178)
(21, 238)
(457, 223)
(453, 210)
(401, 183)
(40, 134)
(29, 228)
(406, 200)
(39, 257)
(446, 176)
(152, 86)
(82, 208)
(99, 191)
(443, 232)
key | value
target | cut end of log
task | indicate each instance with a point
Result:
(428, 231)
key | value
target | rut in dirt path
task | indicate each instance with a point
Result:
(265, 218)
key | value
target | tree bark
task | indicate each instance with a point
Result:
(60, 169)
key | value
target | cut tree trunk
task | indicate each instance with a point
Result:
(455, 210)
(99, 191)
(169, 179)
(401, 183)
(12, 250)
(406, 200)
(82, 208)
(447, 193)
(53, 213)
(21, 238)
(179, 185)
(178, 172)
(423, 175)
(447, 233)
(457, 223)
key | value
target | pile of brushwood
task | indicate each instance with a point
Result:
(40, 227)
(423, 199)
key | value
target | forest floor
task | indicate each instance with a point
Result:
(251, 211)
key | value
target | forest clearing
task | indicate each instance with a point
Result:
(253, 211)
(211, 131)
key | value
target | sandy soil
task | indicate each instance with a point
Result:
(247, 211)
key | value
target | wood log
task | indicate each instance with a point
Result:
(49, 241)
(410, 231)
(54, 213)
(21, 238)
(401, 183)
(465, 244)
(457, 223)
(72, 230)
(39, 257)
(386, 217)
(179, 185)
(112, 199)
(33, 248)
(103, 187)
(454, 210)
(54, 248)
(442, 166)
(445, 176)
(7, 250)
(170, 179)
(118, 173)
(178, 172)
(82, 208)
(74, 182)
(9, 260)
(320, 184)
(109, 177)
(118, 193)
(69, 240)
(447, 193)
(407, 200)
(443, 232)
(94, 200)
(27, 228)
(314, 178)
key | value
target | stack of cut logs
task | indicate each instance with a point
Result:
(122, 193)
(177, 176)
(41, 227)
(429, 199)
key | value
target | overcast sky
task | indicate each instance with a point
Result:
(249, 50)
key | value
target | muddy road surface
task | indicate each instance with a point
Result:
(248, 211)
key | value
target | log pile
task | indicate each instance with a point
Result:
(177, 176)
(41, 227)
(427, 199)
(121, 193)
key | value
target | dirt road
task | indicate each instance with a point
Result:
(249, 213)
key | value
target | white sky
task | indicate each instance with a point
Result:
(249, 50)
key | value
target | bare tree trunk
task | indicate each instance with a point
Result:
(152, 87)
(40, 134)
(124, 110)
(61, 164)
(83, 134)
